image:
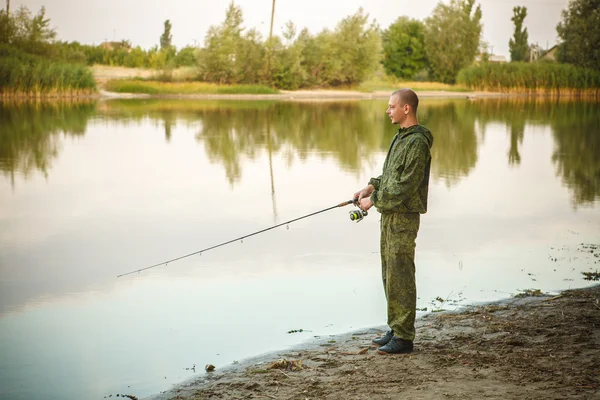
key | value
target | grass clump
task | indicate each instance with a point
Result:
(389, 84)
(169, 88)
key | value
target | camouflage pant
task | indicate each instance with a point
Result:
(398, 235)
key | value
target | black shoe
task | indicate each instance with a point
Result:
(383, 340)
(396, 346)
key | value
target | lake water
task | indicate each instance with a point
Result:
(89, 191)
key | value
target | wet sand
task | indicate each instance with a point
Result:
(538, 347)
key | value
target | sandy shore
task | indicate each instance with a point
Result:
(104, 73)
(542, 347)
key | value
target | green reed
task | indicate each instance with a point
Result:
(532, 78)
(30, 76)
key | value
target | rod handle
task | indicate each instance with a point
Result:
(345, 203)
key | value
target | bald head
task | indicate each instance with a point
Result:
(407, 96)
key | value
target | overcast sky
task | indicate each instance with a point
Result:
(141, 21)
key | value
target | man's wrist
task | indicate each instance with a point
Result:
(373, 197)
(373, 182)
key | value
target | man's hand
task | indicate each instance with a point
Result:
(364, 193)
(365, 204)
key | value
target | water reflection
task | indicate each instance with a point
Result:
(575, 127)
(577, 153)
(454, 153)
(29, 133)
(517, 131)
(350, 132)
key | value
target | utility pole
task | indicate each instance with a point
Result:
(8, 8)
(272, 18)
(270, 42)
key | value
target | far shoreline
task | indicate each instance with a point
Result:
(314, 95)
(300, 95)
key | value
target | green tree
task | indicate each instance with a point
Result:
(218, 57)
(312, 56)
(345, 56)
(287, 71)
(166, 37)
(518, 45)
(186, 56)
(355, 49)
(7, 28)
(249, 58)
(31, 34)
(39, 28)
(579, 31)
(404, 48)
(452, 35)
(136, 58)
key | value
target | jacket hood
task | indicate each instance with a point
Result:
(419, 130)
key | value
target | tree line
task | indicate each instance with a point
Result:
(435, 49)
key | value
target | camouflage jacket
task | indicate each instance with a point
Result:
(404, 183)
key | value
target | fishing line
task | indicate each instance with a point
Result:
(355, 215)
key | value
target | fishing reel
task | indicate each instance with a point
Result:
(358, 215)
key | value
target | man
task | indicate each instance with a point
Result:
(400, 195)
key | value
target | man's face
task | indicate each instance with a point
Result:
(395, 111)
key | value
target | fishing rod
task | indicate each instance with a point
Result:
(356, 215)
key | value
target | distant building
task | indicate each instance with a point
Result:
(492, 58)
(124, 44)
(550, 55)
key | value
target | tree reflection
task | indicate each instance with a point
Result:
(352, 133)
(517, 131)
(575, 127)
(577, 150)
(454, 151)
(29, 133)
(169, 122)
(349, 132)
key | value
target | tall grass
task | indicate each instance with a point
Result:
(389, 84)
(532, 78)
(166, 88)
(23, 74)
